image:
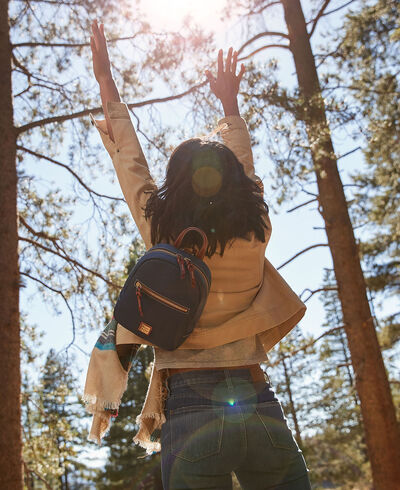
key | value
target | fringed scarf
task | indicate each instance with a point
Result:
(106, 382)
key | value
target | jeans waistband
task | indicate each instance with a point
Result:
(211, 376)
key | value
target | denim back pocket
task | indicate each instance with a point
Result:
(274, 421)
(196, 432)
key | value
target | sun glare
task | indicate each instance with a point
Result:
(170, 14)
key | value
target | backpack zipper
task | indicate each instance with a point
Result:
(157, 296)
(174, 254)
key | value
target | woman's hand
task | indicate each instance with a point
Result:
(102, 72)
(101, 61)
(226, 85)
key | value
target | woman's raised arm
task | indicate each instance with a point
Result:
(102, 71)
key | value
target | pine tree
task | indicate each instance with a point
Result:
(369, 54)
(337, 452)
(52, 428)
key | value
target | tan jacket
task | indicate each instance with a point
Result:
(248, 296)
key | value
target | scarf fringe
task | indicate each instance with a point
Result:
(150, 447)
(100, 426)
(93, 404)
(142, 437)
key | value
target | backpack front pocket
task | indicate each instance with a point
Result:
(140, 287)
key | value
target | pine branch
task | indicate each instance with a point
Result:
(97, 110)
(29, 470)
(315, 291)
(85, 186)
(322, 13)
(70, 45)
(303, 204)
(349, 153)
(260, 35)
(306, 346)
(339, 8)
(318, 16)
(69, 259)
(302, 252)
(264, 7)
(57, 291)
(267, 46)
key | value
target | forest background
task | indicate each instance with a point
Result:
(77, 241)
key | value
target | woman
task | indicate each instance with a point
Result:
(220, 414)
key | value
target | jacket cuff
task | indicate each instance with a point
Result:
(232, 122)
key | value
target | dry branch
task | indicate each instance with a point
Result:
(302, 252)
(318, 16)
(85, 186)
(315, 291)
(306, 346)
(68, 259)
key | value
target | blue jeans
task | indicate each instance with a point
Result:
(219, 422)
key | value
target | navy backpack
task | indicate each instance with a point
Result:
(165, 293)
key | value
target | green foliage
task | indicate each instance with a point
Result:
(52, 428)
(369, 54)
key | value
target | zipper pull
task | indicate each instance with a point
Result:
(138, 296)
(181, 264)
(191, 271)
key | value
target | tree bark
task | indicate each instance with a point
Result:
(291, 402)
(11, 468)
(377, 408)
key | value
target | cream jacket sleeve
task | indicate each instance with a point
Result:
(130, 164)
(236, 137)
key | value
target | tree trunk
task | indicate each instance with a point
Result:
(11, 471)
(381, 429)
(291, 402)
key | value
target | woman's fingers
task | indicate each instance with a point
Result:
(96, 34)
(93, 45)
(234, 62)
(103, 37)
(220, 62)
(228, 61)
(209, 76)
(242, 70)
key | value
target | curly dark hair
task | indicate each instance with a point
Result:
(205, 186)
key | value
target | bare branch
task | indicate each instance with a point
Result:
(69, 45)
(318, 16)
(322, 13)
(58, 291)
(29, 470)
(306, 346)
(315, 291)
(264, 7)
(259, 36)
(339, 8)
(97, 110)
(69, 259)
(348, 153)
(85, 186)
(302, 252)
(303, 204)
(262, 49)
